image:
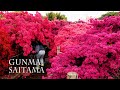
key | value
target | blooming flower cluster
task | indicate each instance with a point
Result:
(20, 30)
(95, 53)
(66, 35)
(5, 49)
(92, 49)
(25, 28)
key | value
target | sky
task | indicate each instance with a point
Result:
(76, 15)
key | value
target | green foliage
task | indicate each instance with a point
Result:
(109, 14)
(17, 11)
(59, 16)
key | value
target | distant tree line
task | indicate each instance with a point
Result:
(109, 14)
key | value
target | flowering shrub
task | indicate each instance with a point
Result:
(20, 29)
(25, 28)
(5, 49)
(58, 24)
(92, 49)
(66, 34)
(96, 53)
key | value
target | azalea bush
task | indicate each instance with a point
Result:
(6, 51)
(65, 36)
(92, 49)
(20, 30)
(95, 54)
(23, 28)
(59, 24)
